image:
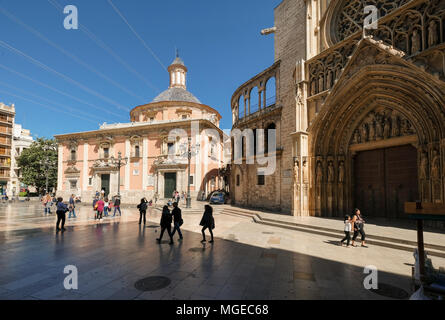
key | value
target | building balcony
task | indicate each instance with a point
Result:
(254, 97)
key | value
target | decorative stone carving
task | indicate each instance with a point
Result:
(351, 15)
(432, 34)
(382, 124)
(297, 172)
(415, 42)
(424, 166)
(305, 172)
(341, 172)
(435, 165)
(331, 174)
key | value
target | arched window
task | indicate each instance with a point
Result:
(271, 126)
(241, 107)
(254, 100)
(271, 92)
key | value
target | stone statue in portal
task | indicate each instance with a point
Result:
(341, 172)
(330, 172)
(415, 42)
(424, 166)
(435, 165)
(319, 173)
(432, 34)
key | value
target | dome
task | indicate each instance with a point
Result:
(176, 94)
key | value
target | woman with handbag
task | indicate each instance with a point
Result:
(207, 222)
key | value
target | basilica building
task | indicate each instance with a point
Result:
(154, 148)
(359, 114)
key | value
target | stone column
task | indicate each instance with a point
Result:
(127, 167)
(85, 167)
(144, 163)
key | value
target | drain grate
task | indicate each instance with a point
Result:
(387, 290)
(202, 249)
(153, 227)
(152, 283)
(268, 232)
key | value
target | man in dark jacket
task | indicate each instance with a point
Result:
(61, 213)
(117, 206)
(142, 210)
(166, 224)
(177, 220)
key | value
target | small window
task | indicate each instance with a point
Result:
(137, 153)
(184, 116)
(90, 181)
(237, 180)
(135, 172)
(106, 153)
(261, 179)
(152, 119)
(191, 180)
(73, 155)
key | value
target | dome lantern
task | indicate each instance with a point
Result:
(178, 73)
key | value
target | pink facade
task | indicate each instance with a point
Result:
(154, 146)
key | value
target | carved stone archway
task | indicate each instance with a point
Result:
(387, 101)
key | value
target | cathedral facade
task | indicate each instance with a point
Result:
(364, 109)
(154, 148)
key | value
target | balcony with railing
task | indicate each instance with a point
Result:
(257, 96)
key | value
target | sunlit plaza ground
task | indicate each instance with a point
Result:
(247, 260)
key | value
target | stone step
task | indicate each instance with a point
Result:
(436, 250)
(398, 244)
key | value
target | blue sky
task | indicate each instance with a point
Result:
(71, 74)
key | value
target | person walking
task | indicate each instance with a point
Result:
(106, 207)
(100, 204)
(207, 222)
(142, 210)
(61, 211)
(177, 220)
(347, 229)
(359, 227)
(95, 206)
(71, 207)
(117, 206)
(166, 224)
(47, 201)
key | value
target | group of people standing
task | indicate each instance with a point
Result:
(355, 223)
(102, 206)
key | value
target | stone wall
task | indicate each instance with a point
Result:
(290, 47)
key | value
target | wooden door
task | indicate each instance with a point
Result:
(384, 180)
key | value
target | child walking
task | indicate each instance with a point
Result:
(347, 229)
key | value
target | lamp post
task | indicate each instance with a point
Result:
(189, 156)
(119, 162)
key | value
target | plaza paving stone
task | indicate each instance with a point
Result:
(247, 260)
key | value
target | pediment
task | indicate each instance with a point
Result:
(368, 54)
(72, 170)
